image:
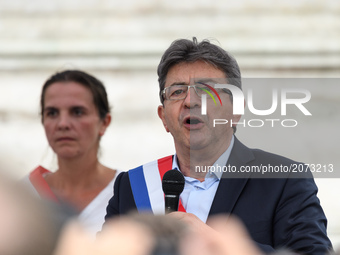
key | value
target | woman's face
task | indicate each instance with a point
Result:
(71, 120)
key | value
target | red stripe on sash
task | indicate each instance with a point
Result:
(164, 165)
(40, 184)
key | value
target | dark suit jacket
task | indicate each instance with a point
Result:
(278, 212)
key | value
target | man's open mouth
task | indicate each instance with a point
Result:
(193, 121)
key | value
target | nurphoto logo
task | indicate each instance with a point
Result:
(239, 105)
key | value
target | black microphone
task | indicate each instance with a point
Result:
(173, 185)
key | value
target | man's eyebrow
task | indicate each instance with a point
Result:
(206, 80)
(179, 83)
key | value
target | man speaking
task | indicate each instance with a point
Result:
(281, 212)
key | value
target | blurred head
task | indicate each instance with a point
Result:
(28, 225)
(168, 233)
(184, 50)
(75, 113)
(137, 234)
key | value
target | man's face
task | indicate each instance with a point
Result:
(183, 119)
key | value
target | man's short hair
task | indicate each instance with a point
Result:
(183, 50)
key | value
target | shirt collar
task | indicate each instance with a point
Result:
(221, 161)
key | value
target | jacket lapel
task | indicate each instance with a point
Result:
(230, 189)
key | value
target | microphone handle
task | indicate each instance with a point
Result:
(171, 203)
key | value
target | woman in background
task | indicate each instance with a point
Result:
(75, 114)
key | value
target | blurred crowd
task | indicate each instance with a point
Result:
(31, 226)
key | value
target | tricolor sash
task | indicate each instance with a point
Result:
(38, 181)
(146, 185)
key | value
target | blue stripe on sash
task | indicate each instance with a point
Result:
(139, 189)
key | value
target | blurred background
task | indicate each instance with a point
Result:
(121, 42)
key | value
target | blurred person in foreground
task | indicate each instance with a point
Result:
(145, 234)
(75, 114)
(278, 213)
(29, 226)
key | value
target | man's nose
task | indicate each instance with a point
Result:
(192, 99)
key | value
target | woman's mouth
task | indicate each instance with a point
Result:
(62, 139)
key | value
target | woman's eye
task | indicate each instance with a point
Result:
(51, 113)
(78, 111)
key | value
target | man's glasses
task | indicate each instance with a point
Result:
(180, 92)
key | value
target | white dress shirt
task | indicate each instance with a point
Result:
(197, 197)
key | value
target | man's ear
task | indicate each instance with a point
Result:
(161, 115)
(236, 118)
(105, 123)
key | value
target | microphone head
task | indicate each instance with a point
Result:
(173, 182)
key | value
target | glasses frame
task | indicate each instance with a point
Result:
(189, 86)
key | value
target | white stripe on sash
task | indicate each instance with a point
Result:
(154, 185)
